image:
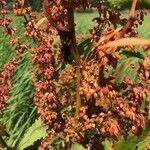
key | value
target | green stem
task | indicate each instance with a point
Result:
(75, 53)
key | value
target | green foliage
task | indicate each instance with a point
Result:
(120, 4)
(145, 27)
(124, 66)
(84, 22)
(141, 145)
(34, 133)
(77, 146)
(138, 142)
(58, 142)
(128, 144)
(9, 6)
(84, 46)
(133, 143)
(107, 144)
(124, 4)
(5, 51)
(20, 112)
(36, 5)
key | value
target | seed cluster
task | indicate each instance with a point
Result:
(8, 68)
(107, 109)
(6, 74)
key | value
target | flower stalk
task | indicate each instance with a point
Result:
(75, 53)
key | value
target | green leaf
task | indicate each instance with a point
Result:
(128, 144)
(77, 146)
(107, 144)
(124, 68)
(34, 133)
(135, 142)
(141, 145)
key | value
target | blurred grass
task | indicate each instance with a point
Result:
(20, 112)
(144, 29)
(84, 23)
(125, 4)
(7, 51)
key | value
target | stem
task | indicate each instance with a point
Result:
(75, 53)
(132, 11)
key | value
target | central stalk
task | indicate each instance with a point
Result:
(75, 52)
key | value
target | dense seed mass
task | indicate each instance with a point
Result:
(107, 109)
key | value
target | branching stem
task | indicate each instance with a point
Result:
(132, 10)
(75, 53)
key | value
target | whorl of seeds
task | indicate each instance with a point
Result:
(44, 97)
(6, 74)
(8, 68)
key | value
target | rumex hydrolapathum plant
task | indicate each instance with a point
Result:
(81, 98)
